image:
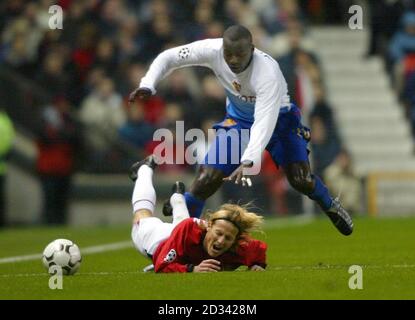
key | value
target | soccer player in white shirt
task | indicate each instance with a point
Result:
(258, 101)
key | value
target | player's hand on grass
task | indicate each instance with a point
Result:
(239, 176)
(140, 93)
(209, 265)
(256, 268)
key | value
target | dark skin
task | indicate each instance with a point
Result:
(238, 55)
(139, 93)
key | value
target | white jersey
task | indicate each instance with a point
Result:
(254, 95)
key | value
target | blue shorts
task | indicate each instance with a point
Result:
(287, 144)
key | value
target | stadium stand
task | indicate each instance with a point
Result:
(370, 119)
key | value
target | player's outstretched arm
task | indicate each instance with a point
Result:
(199, 53)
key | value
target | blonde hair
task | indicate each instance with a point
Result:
(245, 221)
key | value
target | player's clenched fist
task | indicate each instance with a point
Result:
(140, 93)
(209, 265)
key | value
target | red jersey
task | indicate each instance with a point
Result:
(184, 248)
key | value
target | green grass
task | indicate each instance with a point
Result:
(305, 261)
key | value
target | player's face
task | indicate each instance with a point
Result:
(237, 54)
(220, 237)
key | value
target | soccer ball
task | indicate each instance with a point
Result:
(63, 253)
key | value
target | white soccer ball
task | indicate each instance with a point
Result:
(63, 253)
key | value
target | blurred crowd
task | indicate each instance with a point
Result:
(393, 38)
(92, 64)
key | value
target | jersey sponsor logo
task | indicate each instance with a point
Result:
(171, 256)
(250, 99)
(184, 53)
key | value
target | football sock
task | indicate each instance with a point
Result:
(321, 194)
(144, 195)
(194, 205)
(180, 212)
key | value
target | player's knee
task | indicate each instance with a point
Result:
(302, 183)
(209, 176)
(207, 182)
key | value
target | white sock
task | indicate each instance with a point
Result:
(144, 195)
(180, 211)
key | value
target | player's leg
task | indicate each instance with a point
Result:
(147, 231)
(222, 158)
(288, 148)
(143, 202)
(207, 181)
(300, 177)
(220, 161)
(144, 195)
(178, 203)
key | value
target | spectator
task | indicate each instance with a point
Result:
(21, 39)
(300, 68)
(276, 184)
(52, 76)
(175, 146)
(105, 56)
(331, 11)
(278, 15)
(202, 145)
(95, 77)
(129, 39)
(408, 91)
(75, 18)
(323, 110)
(58, 143)
(127, 77)
(403, 42)
(213, 98)
(111, 41)
(84, 52)
(102, 114)
(6, 141)
(307, 75)
(325, 147)
(154, 110)
(342, 180)
(203, 15)
(178, 91)
(158, 34)
(383, 23)
(136, 131)
(214, 29)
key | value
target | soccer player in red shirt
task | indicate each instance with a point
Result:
(222, 242)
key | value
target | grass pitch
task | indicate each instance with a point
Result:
(306, 260)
